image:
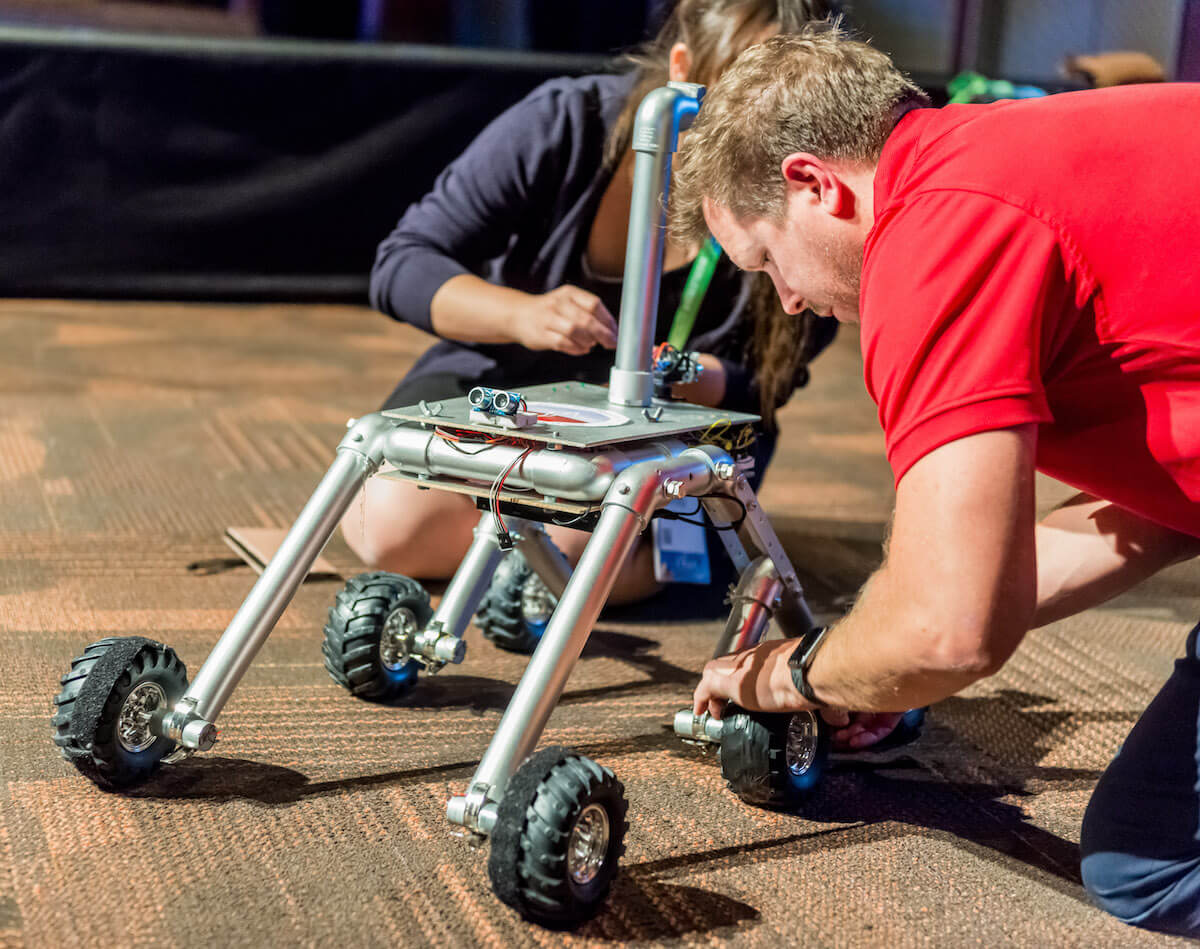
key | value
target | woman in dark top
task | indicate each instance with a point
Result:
(515, 259)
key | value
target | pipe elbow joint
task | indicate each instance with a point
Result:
(368, 436)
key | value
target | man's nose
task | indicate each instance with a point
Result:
(793, 304)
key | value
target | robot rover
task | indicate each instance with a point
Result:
(607, 460)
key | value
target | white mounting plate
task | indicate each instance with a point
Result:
(673, 418)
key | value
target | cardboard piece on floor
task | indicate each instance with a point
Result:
(257, 545)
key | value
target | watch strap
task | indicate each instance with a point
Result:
(802, 658)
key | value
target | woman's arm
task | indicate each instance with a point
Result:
(566, 319)
(709, 389)
(508, 182)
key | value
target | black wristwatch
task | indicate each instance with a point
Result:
(802, 657)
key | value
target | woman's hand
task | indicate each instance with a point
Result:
(709, 389)
(567, 319)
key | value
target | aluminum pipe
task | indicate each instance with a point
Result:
(662, 115)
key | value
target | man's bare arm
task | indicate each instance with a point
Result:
(942, 611)
(1090, 550)
(958, 590)
(950, 604)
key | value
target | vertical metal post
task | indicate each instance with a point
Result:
(660, 117)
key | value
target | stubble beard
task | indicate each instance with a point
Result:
(847, 260)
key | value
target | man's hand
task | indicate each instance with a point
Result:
(760, 680)
(757, 679)
(856, 730)
(566, 319)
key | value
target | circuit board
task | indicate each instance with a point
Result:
(579, 415)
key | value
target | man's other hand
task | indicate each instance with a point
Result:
(853, 731)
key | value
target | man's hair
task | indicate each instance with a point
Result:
(815, 91)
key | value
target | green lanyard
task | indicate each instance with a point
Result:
(698, 279)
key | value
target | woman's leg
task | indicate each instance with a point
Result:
(395, 526)
(1140, 840)
(635, 581)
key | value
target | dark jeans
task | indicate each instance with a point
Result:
(1141, 833)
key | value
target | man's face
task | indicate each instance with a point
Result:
(814, 261)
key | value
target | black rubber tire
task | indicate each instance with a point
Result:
(93, 691)
(754, 757)
(354, 627)
(500, 616)
(528, 859)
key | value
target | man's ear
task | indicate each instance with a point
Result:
(819, 183)
(679, 63)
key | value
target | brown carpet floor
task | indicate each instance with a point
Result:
(132, 435)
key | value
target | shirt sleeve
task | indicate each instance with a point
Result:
(504, 181)
(957, 292)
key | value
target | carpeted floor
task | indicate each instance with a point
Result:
(132, 435)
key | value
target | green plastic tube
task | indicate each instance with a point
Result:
(699, 277)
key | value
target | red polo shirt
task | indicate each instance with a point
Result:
(1039, 261)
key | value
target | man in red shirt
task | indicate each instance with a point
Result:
(1008, 265)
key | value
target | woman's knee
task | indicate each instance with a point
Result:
(393, 526)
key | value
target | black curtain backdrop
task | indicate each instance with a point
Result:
(227, 169)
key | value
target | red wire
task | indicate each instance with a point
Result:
(501, 529)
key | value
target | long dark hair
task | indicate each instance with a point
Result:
(715, 32)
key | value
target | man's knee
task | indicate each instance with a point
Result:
(1139, 861)
(1163, 895)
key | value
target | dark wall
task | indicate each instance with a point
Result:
(227, 169)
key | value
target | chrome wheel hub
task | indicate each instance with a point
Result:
(588, 845)
(801, 748)
(395, 641)
(137, 711)
(537, 602)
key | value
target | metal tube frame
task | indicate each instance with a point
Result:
(358, 456)
(633, 480)
(545, 559)
(628, 506)
(471, 579)
(754, 601)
